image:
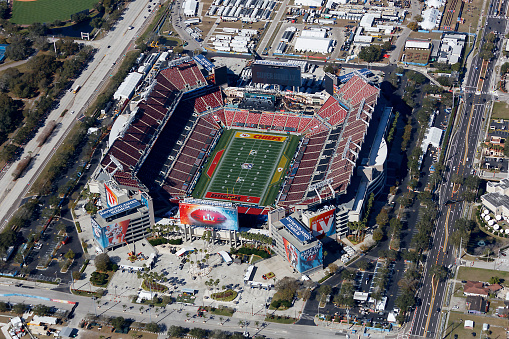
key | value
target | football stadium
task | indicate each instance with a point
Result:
(181, 142)
(185, 137)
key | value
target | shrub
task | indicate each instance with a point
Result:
(98, 278)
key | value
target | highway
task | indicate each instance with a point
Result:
(467, 132)
(111, 51)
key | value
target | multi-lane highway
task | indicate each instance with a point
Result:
(111, 50)
(468, 130)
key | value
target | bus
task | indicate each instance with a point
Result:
(76, 89)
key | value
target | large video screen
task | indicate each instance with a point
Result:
(305, 260)
(323, 224)
(276, 75)
(209, 216)
(110, 235)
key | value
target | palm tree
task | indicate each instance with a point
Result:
(221, 320)
(241, 323)
(257, 323)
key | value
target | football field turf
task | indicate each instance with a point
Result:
(247, 167)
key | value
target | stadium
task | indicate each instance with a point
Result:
(183, 140)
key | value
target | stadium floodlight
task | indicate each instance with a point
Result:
(117, 164)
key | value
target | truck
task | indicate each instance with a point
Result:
(76, 89)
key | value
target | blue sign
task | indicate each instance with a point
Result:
(296, 229)
(125, 206)
(344, 78)
(204, 62)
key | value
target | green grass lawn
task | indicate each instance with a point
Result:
(28, 12)
(457, 322)
(248, 167)
(480, 274)
(500, 110)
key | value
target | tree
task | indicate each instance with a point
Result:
(415, 77)
(440, 272)
(378, 234)
(70, 254)
(363, 265)
(19, 308)
(371, 53)
(4, 10)
(324, 290)
(19, 48)
(418, 18)
(494, 280)
(504, 68)
(102, 262)
(152, 327)
(3, 306)
(96, 22)
(41, 310)
(333, 268)
(382, 218)
(414, 26)
(176, 331)
(118, 323)
(457, 179)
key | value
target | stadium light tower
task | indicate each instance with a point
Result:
(117, 164)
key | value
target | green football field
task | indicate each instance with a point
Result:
(246, 167)
(28, 12)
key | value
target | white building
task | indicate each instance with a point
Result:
(451, 48)
(315, 45)
(435, 3)
(127, 87)
(431, 18)
(497, 197)
(190, 7)
(314, 33)
(414, 43)
(310, 3)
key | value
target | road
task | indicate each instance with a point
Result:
(171, 315)
(113, 48)
(462, 147)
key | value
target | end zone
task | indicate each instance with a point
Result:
(232, 197)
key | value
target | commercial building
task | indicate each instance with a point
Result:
(124, 216)
(294, 242)
(497, 197)
(451, 48)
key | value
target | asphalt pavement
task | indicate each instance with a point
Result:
(428, 319)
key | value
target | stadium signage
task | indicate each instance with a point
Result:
(109, 212)
(260, 136)
(296, 229)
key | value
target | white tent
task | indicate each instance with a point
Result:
(506, 231)
(431, 18)
(127, 87)
(486, 211)
(491, 222)
(496, 227)
(435, 3)
(487, 217)
(498, 217)
(316, 45)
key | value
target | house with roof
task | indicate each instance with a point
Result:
(476, 305)
(475, 288)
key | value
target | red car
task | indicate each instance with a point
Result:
(65, 241)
